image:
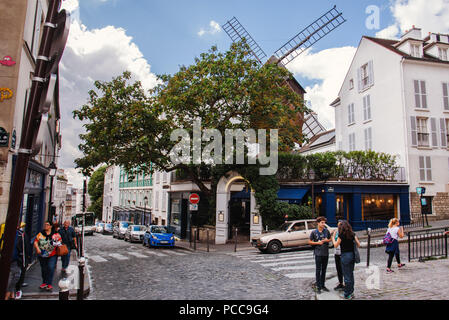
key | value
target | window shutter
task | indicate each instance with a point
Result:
(443, 133)
(359, 78)
(414, 131)
(352, 113)
(37, 30)
(368, 106)
(446, 96)
(428, 169)
(370, 135)
(422, 169)
(433, 126)
(365, 117)
(424, 94)
(417, 95)
(371, 73)
(349, 114)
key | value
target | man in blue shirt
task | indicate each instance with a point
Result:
(320, 239)
(68, 236)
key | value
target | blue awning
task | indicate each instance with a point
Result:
(292, 193)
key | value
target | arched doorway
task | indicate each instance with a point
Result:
(236, 207)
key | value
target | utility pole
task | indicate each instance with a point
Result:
(30, 130)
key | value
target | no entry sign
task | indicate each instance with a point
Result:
(194, 198)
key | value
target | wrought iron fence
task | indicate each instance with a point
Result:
(424, 244)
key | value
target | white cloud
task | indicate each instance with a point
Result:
(430, 16)
(98, 54)
(214, 28)
(328, 68)
(388, 33)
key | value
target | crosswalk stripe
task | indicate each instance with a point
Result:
(118, 256)
(280, 258)
(177, 253)
(301, 275)
(97, 258)
(156, 253)
(287, 262)
(137, 254)
(304, 267)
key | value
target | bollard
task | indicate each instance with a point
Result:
(235, 248)
(369, 246)
(80, 293)
(64, 285)
(194, 240)
(207, 239)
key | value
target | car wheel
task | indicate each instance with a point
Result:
(274, 246)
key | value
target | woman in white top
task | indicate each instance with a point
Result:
(392, 249)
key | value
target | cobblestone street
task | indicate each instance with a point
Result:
(121, 270)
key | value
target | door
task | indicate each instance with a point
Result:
(297, 235)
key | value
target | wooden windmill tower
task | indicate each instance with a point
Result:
(307, 123)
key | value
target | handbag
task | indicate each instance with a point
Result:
(62, 250)
(356, 253)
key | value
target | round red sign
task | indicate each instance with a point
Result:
(194, 198)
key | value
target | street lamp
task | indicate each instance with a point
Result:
(145, 200)
(312, 178)
(52, 172)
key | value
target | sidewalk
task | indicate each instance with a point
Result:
(34, 280)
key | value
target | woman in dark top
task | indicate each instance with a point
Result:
(346, 239)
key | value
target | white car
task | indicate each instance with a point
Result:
(291, 234)
(135, 233)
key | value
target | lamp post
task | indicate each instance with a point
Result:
(52, 172)
(312, 178)
(145, 200)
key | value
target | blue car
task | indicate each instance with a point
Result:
(158, 236)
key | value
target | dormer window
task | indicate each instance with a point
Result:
(442, 54)
(415, 50)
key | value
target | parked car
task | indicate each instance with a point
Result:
(157, 236)
(119, 229)
(291, 234)
(100, 227)
(135, 233)
(107, 228)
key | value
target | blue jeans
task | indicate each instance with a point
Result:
(48, 266)
(65, 260)
(347, 266)
(321, 267)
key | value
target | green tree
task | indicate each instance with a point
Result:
(95, 190)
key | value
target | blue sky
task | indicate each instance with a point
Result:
(150, 37)
(166, 31)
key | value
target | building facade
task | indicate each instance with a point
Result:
(59, 195)
(111, 192)
(20, 35)
(394, 99)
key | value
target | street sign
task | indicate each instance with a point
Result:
(194, 198)
(420, 190)
(193, 207)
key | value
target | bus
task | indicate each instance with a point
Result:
(89, 222)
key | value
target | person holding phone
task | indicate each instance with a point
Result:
(392, 249)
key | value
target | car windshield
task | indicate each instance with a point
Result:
(101, 224)
(109, 225)
(284, 227)
(159, 229)
(124, 224)
(138, 228)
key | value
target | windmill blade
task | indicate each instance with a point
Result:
(237, 32)
(311, 126)
(310, 35)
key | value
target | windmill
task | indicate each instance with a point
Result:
(310, 35)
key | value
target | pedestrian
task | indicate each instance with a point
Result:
(68, 237)
(16, 273)
(45, 244)
(319, 239)
(337, 256)
(346, 241)
(392, 248)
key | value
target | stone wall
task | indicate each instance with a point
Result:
(440, 206)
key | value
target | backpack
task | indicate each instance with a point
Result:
(388, 239)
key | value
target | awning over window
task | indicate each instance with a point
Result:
(295, 194)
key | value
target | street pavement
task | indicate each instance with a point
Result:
(223, 272)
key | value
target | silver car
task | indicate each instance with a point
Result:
(291, 234)
(119, 229)
(135, 233)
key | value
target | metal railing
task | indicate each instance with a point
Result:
(424, 244)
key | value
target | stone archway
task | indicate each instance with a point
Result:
(222, 210)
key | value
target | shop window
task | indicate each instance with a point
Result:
(378, 207)
(175, 218)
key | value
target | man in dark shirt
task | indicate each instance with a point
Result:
(320, 239)
(68, 236)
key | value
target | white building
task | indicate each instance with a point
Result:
(394, 99)
(111, 193)
(60, 193)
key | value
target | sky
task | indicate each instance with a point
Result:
(154, 37)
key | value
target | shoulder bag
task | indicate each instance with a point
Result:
(62, 250)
